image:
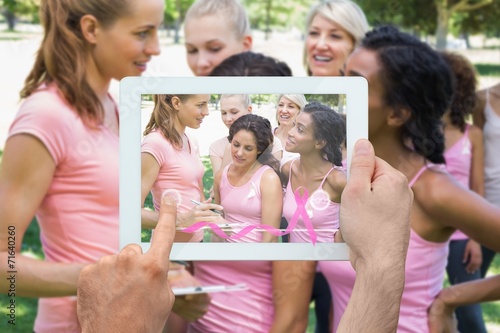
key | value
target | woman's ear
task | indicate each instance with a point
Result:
(90, 28)
(398, 117)
(176, 103)
(320, 144)
(247, 43)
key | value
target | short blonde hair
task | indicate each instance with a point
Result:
(244, 98)
(297, 99)
(344, 13)
(232, 10)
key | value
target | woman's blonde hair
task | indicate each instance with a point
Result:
(297, 99)
(231, 10)
(163, 118)
(244, 98)
(344, 13)
(62, 56)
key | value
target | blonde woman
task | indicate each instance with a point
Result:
(333, 28)
(289, 106)
(215, 30)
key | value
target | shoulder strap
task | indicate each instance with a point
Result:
(417, 176)
(467, 129)
(326, 176)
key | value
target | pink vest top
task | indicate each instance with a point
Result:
(424, 276)
(323, 213)
(251, 310)
(458, 163)
(243, 204)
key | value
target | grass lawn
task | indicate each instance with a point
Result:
(488, 69)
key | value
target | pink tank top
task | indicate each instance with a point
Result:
(243, 204)
(251, 310)
(323, 213)
(424, 276)
(458, 163)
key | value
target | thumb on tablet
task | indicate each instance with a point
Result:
(362, 165)
(163, 236)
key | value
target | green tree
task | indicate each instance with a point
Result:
(418, 16)
(445, 10)
(277, 14)
(483, 20)
(175, 11)
(11, 9)
(421, 16)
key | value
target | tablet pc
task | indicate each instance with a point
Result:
(132, 89)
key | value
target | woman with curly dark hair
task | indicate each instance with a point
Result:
(250, 191)
(411, 88)
(464, 161)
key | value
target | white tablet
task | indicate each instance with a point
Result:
(354, 90)
(208, 289)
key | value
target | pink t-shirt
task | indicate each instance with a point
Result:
(218, 147)
(424, 275)
(322, 212)
(251, 310)
(180, 174)
(458, 163)
(78, 216)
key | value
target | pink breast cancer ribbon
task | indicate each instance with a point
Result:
(299, 211)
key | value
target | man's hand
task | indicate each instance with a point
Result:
(129, 292)
(375, 224)
(188, 307)
(375, 210)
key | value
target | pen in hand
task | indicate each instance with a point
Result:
(197, 203)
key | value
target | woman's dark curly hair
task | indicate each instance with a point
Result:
(261, 128)
(251, 64)
(328, 126)
(465, 98)
(415, 78)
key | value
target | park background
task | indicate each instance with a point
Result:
(470, 27)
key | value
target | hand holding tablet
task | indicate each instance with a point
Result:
(133, 273)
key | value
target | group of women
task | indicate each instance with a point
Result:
(60, 161)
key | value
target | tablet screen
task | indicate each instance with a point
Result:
(228, 240)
